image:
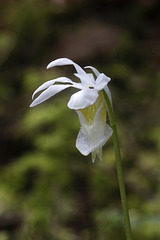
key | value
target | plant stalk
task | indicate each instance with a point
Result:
(127, 224)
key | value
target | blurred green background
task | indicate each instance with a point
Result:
(48, 190)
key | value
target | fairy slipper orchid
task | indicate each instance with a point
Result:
(88, 102)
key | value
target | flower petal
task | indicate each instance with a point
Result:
(49, 92)
(101, 81)
(66, 61)
(96, 72)
(51, 82)
(92, 137)
(86, 79)
(82, 99)
(85, 144)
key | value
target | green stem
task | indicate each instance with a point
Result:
(119, 168)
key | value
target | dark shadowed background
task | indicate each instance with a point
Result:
(48, 190)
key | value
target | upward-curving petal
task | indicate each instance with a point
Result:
(87, 79)
(66, 61)
(101, 81)
(96, 72)
(51, 82)
(49, 92)
(82, 99)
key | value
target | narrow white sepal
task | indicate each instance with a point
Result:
(96, 72)
(65, 61)
(49, 92)
(51, 82)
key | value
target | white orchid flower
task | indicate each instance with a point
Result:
(88, 102)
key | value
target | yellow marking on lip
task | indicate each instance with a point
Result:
(90, 111)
